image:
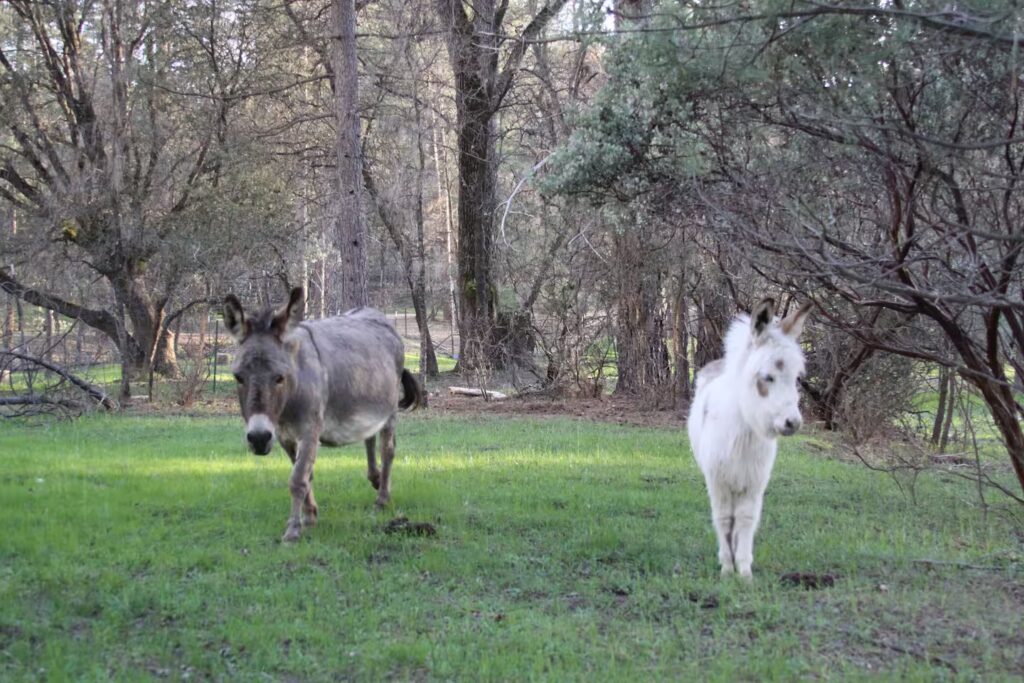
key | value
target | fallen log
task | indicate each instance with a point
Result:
(469, 391)
(38, 400)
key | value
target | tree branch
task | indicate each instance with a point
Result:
(101, 320)
(515, 57)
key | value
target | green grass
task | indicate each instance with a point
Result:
(445, 363)
(136, 548)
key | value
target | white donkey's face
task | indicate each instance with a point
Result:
(771, 372)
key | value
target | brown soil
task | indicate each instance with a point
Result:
(612, 410)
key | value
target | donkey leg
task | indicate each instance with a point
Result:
(748, 515)
(310, 510)
(371, 462)
(387, 455)
(301, 487)
(309, 506)
(724, 522)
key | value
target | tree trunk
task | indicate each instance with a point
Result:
(1001, 404)
(127, 369)
(713, 318)
(350, 224)
(640, 339)
(322, 270)
(951, 401)
(474, 46)
(477, 185)
(444, 189)
(48, 335)
(7, 334)
(640, 326)
(149, 345)
(681, 344)
(940, 410)
(428, 359)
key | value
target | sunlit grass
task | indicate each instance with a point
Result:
(148, 547)
(445, 363)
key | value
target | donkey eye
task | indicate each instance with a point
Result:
(239, 379)
(278, 379)
(769, 378)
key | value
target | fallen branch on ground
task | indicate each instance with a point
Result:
(92, 391)
(468, 391)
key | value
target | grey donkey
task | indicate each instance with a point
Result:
(333, 381)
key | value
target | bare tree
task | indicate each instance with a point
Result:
(108, 150)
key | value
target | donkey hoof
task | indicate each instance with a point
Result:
(309, 520)
(291, 534)
(382, 501)
(374, 480)
(727, 570)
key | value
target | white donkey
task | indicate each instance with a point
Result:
(744, 402)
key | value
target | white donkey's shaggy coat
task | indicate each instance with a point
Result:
(744, 402)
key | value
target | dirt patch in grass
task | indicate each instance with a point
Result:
(612, 410)
(402, 525)
(709, 601)
(808, 581)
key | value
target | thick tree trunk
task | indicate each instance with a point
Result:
(1001, 404)
(477, 185)
(640, 326)
(988, 374)
(640, 340)
(350, 223)
(149, 346)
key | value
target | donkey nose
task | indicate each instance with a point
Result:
(259, 441)
(791, 426)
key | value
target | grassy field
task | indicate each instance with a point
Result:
(137, 548)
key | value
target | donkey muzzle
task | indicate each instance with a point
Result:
(790, 426)
(259, 434)
(259, 442)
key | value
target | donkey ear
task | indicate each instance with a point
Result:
(793, 324)
(290, 314)
(234, 318)
(761, 317)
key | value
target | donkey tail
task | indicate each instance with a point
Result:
(412, 393)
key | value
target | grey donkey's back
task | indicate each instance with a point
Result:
(362, 359)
